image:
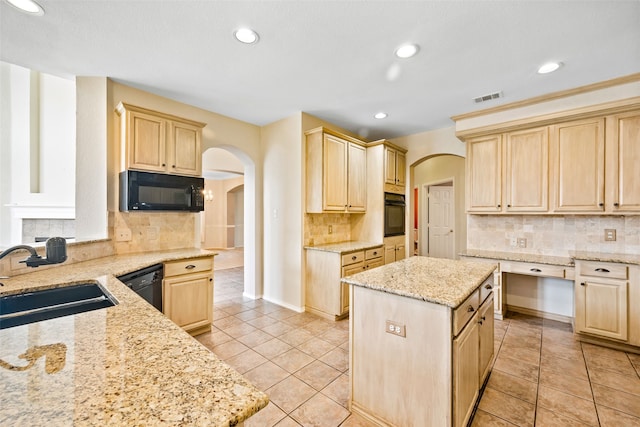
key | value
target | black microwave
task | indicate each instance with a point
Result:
(148, 191)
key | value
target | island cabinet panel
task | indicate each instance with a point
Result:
(187, 294)
(429, 374)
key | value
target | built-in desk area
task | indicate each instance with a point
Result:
(604, 293)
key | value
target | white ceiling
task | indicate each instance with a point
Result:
(332, 59)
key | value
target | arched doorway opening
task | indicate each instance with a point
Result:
(229, 218)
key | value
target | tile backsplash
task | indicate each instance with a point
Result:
(152, 231)
(316, 230)
(553, 235)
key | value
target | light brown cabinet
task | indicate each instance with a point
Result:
(187, 294)
(602, 299)
(395, 163)
(325, 295)
(585, 166)
(158, 142)
(578, 166)
(485, 335)
(336, 172)
(394, 249)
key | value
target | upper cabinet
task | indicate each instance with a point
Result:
(336, 172)
(584, 166)
(395, 162)
(578, 166)
(158, 142)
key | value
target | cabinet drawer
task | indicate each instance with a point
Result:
(532, 269)
(603, 269)
(465, 311)
(352, 258)
(486, 288)
(373, 253)
(195, 265)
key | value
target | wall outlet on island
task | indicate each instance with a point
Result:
(395, 328)
(609, 234)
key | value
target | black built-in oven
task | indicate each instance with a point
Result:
(394, 207)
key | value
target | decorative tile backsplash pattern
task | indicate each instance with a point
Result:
(553, 235)
(316, 230)
(153, 231)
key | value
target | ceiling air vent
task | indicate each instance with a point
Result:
(488, 97)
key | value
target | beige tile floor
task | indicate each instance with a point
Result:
(541, 375)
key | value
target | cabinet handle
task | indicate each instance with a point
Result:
(498, 205)
(375, 253)
(349, 205)
(190, 267)
(536, 270)
(508, 206)
(488, 287)
(211, 280)
(470, 309)
(173, 166)
(353, 258)
(480, 322)
(616, 204)
(601, 204)
(602, 270)
(163, 165)
(483, 318)
(583, 284)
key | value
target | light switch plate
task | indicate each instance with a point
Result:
(609, 234)
(395, 328)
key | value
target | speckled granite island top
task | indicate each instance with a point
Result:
(441, 281)
(344, 247)
(122, 366)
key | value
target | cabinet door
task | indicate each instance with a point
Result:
(484, 177)
(601, 307)
(400, 252)
(389, 254)
(357, 184)
(624, 141)
(146, 138)
(389, 165)
(185, 155)
(344, 288)
(401, 164)
(465, 372)
(578, 166)
(527, 170)
(188, 300)
(334, 158)
(485, 333)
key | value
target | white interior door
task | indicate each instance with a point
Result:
(440, 222)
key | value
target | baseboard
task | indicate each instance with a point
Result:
(542, 314)
(284, 304)
(251, 296)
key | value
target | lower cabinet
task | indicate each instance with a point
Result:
(602, 298)
(394, 249)
(325, 295)
(187, 291)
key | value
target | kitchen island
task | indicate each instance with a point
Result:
(121, 365)
(421, 341)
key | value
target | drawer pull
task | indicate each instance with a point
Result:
(480, 322)
(190, 267)
(602, 270)
(583, 284)
(489, 287)
(470, 309)
(536, 270)
(353, 258)
(616, 204)
(375, 253)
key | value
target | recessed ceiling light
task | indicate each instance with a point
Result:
(246, 35)
(380, 115)
(407, 50)
(27, 6)
(549, 67)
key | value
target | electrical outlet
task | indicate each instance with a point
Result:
(395, 328)
(609, 234)
(330, 228)
(123, 235)
(522, 242)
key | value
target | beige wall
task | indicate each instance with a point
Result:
(215, 218)
(437, 169)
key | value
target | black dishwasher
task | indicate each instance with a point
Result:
(147, 283)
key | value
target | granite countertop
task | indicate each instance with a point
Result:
(553, 260)
(344, 247)
(441, 281)
(121, 365)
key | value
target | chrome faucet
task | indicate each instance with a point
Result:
(55, 252)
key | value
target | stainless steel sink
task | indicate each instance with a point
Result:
(35, 306)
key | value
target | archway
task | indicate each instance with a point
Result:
(227, 159)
